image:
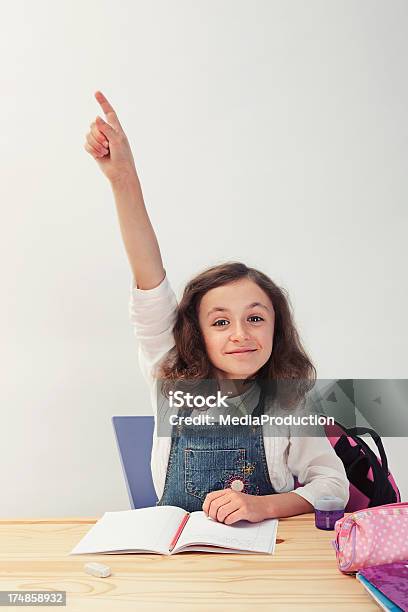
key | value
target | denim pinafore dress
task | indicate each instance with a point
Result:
(207, 458)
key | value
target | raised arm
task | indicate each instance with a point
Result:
(109, 146)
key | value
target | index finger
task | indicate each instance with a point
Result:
(108, 110)
(211, 496)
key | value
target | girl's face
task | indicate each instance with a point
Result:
(236, 317)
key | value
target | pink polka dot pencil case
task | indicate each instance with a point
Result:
(371, 537)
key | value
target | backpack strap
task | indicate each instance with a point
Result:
(357, 461)
(356, 464)
(360, 431)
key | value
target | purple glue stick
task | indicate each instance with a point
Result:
(328, 510)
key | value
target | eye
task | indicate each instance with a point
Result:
(220, 321)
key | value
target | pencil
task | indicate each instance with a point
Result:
(178, 532)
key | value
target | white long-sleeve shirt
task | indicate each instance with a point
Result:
(311, 459)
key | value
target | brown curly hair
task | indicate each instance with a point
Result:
(188, 360)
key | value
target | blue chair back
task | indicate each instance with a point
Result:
(134, 437)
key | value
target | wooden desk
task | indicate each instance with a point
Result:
(301, 575)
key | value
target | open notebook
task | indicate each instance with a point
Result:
(168, 530)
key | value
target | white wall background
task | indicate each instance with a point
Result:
(271, 132)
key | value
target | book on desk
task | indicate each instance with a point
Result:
(169, 530)
(387, 584)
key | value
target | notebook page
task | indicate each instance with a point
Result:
(245, 536)
(217, 549)
(145, 529)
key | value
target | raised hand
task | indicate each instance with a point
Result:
(108, 144)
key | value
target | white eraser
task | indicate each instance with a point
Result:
(97, 569)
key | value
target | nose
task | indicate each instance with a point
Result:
(239, 333)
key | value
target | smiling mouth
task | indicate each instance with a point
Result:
(242, 351)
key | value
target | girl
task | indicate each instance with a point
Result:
(233, 323)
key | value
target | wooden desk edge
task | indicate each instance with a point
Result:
(54, 521)
(89, 520)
